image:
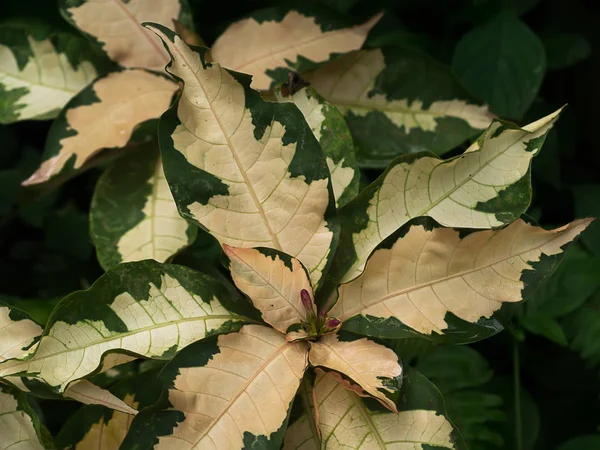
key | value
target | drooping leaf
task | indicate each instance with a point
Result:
(98, 428)
(133, 215)
(372, 366)
(304, 433)
(399, 101)
(487, 186)
(461, 374)
(18, 332)
(273, 281)
(116, 26)
(502, 62)
(436, 282)
(142, 308)
(89, 394)
(19, 426)
(331, 130)
(227, 391)
(271, 44)
(39, 71)
(248, 171)
(346, 421)
(104, 115)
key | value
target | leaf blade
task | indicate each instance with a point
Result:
(42, 84)
(233, 414)
(296, 35)
(142, 308)
(271, 284)
(87, 124)
(345, 420)
(97, 18)
(485, 187)
(372, 366)
(133, 215)
(470, 277)
(218, 142)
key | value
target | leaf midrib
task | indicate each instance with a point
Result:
(361, 407)
(363, 306)
(147, 37)
(112, 338)
(243, 389)
(251, 191)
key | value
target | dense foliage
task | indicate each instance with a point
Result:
(291, 259)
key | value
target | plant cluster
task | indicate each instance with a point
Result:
(260, 290)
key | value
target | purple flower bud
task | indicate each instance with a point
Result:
(322, 314)
(332, 323)
(306, 300)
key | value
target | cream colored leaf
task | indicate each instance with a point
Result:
(108, 435)
(162, 232)
(304, 433)
(116, 24)
(247, 387)
(364, 361)
(170, 318)
(88, 393)
(336, 142)
(48, 77)
(271, 284)
(16, 335)
(265, 205)
(430, 272)
(123, 100)
(349, 82)
(17, 431)
(451, 191)
(112, 360)
(270, 44)
(345, 422)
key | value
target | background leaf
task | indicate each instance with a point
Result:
(502, 62)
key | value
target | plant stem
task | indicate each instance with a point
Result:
(517, 399)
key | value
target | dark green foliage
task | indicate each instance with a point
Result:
(536, 386)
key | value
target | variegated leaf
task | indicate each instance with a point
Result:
(19, 426)
(399, 101)
(89, 394)
(271, 44)
(437, 281)
(226, 392)
(488, 186)
(330, 129)
(133, 215)
(18, 332)
(40, 71)
(249, 171)
(142, 308)
(104, 115)
(372, 366)
(346, 421)
(304, 433)
(273, 282)
(116, 26)
(95, 427)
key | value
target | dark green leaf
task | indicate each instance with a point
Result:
(502, 62)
